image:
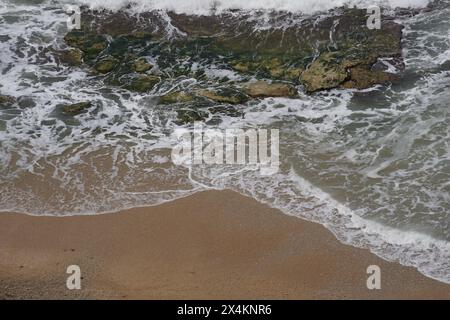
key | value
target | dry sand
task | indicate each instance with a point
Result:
(213, 245)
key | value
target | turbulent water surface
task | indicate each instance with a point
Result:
(372, 165)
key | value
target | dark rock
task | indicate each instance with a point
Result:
(226, 110)
(361, 77)
(186, 116)
(224, 95)
(4, 38)
(49, 122)
(324, 73)
(141, 65)
(26, 102)
(106, 65)
(445, 66)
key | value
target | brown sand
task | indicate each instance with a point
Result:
(213, 245)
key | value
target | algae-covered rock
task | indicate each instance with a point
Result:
(7, 100)
(90, 43)
(26, 102)
(176, 97)
(77, 108)
(325, 73)
(268, 67)
(224, 95)
(186, 116)
(75, 38)
(73, 57)
(263, 89)
(335, 51)
(95, 49)
(143, 83)
(243, 66)
(363, 77)
(4, 38)
(141, 65)
(106, 65)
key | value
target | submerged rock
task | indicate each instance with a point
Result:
(106, 64)
(362, 77)
(324, 73)
(176, 97)
(7, 101)
(269, 68)
(143, 83)
(187, 116)
(73, 57)
(76, 108)
(335, 51)
(263, 89)
(141, 65)
(90, 43)
(224, 95)
(4, 38)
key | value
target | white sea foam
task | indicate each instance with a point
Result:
(203, 7)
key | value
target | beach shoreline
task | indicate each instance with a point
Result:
(211, 245)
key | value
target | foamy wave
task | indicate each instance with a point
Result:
(204, 7)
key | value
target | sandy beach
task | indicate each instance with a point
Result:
(212, 245)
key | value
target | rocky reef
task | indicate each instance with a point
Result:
(141, 53)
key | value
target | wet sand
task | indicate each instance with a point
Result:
(212, 245)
